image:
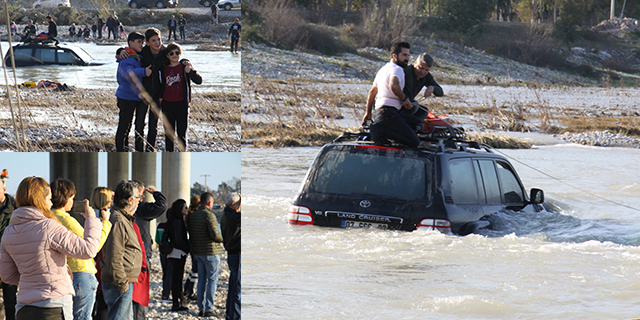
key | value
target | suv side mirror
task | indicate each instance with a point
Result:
(536, 197)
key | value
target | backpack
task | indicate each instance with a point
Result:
(165, 245)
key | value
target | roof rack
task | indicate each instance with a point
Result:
(438, 138)
(32, 41)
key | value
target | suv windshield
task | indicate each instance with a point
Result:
(376, 175)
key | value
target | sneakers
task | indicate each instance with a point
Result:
(165, 299)
(181, 308)
(206, 314)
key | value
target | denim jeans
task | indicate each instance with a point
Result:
(391, 124)
(167, 269)
(208, 271)
(233, 297)
(127, 109)
(85, 284)
(120, 304)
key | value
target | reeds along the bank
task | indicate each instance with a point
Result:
(86, 120)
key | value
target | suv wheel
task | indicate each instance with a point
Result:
(159, 4)
(228, 6)
(206, 3)
(133, 5)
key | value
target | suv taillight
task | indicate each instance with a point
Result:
(441, 225)
(299, 215)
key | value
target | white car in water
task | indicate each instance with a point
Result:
(51, 4)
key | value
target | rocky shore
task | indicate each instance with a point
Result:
(161, 310)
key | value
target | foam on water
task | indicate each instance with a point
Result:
(576, 263)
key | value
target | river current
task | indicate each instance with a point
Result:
(220, 70)
(580, 262)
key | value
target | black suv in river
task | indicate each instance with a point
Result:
(446, 184)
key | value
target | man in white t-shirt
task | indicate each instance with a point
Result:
(387, 94)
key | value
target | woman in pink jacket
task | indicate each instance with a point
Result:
(34, 250)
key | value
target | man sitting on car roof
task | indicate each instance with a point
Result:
(387, 94)
(29, 31)
(53, 30)
(418, 76)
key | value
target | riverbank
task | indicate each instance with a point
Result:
(160, 310)
(86, 121)
(199, 28)
(485, 94)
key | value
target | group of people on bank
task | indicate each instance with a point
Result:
(95, 265)
(393, 93)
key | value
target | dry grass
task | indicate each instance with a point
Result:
(498, 141)
(214, 117)
(625, 125)
(277, 136)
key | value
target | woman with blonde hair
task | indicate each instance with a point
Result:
(84, 271)
(34, 249)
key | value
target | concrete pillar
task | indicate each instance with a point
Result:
(117, 168)
(88, 175)
(64, 165)
(612, 12)
(143, 168)
(176, 172)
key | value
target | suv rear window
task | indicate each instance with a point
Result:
(376, 175)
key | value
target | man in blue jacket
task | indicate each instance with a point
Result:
(130, 73)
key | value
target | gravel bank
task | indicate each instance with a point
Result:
(454, 64)
(497, 82)
(159, 310)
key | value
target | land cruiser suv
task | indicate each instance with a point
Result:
(446, 184)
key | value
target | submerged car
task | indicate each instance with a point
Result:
(47, 53)
(445, 184)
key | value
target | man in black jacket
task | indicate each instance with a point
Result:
(9, 291)
(148, 211)
(230, 224)
(234, 34)
(182, 23)
(53, 30)
(418, 76)
(172, 25)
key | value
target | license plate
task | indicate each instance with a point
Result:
(359, 224)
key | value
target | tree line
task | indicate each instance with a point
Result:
(461, 15)
(233, 185)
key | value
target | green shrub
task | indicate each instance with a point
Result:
(464, 16)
